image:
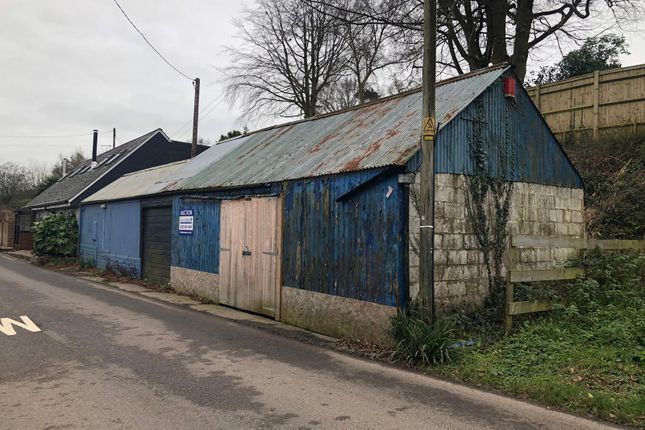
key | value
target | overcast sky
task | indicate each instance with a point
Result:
(69, 66)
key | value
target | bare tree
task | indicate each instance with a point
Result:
(74, 161)
(14, 180)
(291, 54)
(475, 33)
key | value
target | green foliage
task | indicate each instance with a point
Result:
(595, 54)
(231, 134)
(488, 199)
(613, 169)
(586, 356)
(419, 339)
(56, 235)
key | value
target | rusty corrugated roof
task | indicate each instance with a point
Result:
(382, 133)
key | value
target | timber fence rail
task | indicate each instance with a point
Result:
(515, 275)
(594, 103)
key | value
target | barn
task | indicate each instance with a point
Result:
(312, 222)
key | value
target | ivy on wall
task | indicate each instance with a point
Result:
(488, 193)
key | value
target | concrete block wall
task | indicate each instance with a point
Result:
(460, 272)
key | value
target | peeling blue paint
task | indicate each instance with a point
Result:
(110, 234)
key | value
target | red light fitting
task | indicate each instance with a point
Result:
(509, 86)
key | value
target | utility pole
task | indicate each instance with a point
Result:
(113, 137)
(193, 148)
(426, 232)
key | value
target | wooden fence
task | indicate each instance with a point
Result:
(7, 227)
(519, 242)
(594, 103)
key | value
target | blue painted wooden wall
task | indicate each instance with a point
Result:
(353, 248)
(199, 251)
(538, 158)
(111, 234)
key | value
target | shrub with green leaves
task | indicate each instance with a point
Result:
(419, 339)
(56, 235)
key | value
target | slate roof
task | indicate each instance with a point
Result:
(68, 187)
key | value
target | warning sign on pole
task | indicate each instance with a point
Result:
(429, 125)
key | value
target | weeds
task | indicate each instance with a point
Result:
(420, 340)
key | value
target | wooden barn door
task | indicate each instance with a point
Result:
(155, 255)
(250, 233)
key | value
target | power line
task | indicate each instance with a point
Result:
(150, 44)
(202, 116)
(48, 137)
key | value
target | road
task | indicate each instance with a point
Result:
(105, 359)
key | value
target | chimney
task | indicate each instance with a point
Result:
(95, 139)
(64, 166)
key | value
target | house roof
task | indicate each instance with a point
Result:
(382, 133)
(378, 134)
(71, 185)
(143, 182)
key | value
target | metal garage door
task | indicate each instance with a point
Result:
(250, 242)
(155, 252)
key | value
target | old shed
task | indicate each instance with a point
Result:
(312, 222)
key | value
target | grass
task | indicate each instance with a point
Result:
(558, 366)
(587, 357)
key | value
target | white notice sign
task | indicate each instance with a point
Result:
(186, 221)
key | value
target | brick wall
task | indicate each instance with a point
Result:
(460, 275)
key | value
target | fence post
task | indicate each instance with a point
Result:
(596, 103)
(508, 320)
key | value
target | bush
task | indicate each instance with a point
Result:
(56, 236)
(419, 339)
(613, 169)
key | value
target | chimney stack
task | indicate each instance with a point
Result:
(95, 139)
(64, 166)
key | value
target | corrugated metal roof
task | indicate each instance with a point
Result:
(162, 178)
(140, 183)
(378, 134)
(382, 133)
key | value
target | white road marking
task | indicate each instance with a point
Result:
(6, 325)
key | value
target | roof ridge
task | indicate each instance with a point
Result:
(161, 166)
(382, 99)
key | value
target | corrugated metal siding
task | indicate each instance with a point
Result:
(538, 156)
(353, 248)
(200, 251)
(111, 235)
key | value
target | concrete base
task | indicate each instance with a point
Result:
(202, 284)
(336, 316)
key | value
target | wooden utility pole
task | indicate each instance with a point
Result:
(426, 233)
(113, 138)
(193, 148)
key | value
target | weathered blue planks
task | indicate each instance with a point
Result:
(352, 248)
(110, 234)
(538, 157)
(199, 251)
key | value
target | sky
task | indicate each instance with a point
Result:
(70, 66)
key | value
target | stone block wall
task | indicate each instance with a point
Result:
(460, 272)
(202, 284)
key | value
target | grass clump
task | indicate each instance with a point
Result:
(421, 340)
(587, 356)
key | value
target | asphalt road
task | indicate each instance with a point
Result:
(105, 359)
